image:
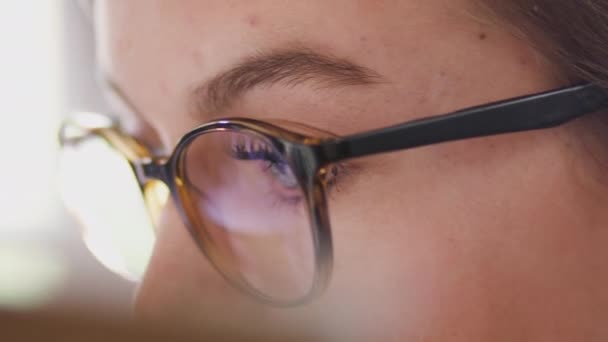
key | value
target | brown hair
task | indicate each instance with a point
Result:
(572, 34)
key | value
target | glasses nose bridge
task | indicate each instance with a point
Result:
(149, 169)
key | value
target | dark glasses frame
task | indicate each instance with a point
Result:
(311, 156)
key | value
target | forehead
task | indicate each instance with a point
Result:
(159, 50)
(316, 19)
(215, 33)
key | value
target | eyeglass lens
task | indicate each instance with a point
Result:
(249, 213)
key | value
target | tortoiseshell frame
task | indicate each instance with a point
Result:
(309, 156)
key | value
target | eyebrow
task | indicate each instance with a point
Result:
(289, 68)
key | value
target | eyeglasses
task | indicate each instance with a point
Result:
(253, 194)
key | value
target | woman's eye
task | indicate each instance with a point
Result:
(270, 160)
(274, 166)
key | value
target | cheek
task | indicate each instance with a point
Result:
(434, 236)
(181, 288)
(179, 281)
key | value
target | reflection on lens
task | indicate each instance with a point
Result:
(100, 189)
(249, 213)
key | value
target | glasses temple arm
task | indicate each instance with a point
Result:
(531, 112)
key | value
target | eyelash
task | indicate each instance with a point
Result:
(249, 151)
(242, 151)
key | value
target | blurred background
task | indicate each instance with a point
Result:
(46, 57)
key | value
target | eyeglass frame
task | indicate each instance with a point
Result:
(310, 156)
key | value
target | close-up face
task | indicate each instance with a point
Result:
(491, 238)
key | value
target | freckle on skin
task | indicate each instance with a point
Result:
(253, 20)
(483, 36)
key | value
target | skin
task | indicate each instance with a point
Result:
(495, 239)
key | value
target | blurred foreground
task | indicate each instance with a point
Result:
(46, 72)
(66, 328)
